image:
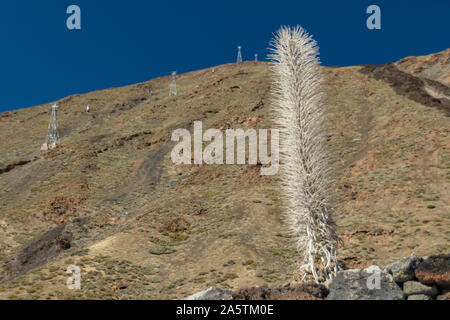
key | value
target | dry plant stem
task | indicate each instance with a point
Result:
(306, 171)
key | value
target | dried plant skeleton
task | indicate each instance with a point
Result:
(305, 165)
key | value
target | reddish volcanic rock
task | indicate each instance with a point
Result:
(435, 270)
(306, 291)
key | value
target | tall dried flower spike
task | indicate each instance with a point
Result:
(305, 166)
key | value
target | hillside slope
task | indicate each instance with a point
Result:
(434, 66)
(110, 200)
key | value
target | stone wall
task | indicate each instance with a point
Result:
(411, 278)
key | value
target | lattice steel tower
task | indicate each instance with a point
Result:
(239, 56)
(173, 86)
(52, 138)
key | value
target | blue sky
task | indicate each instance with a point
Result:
(125, 42)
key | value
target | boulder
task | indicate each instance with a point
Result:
(414, 287)
(435, 270)
(419, 297)
(403, 269)
(364, 284)
(212, 293)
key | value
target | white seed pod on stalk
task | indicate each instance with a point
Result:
(306, 171)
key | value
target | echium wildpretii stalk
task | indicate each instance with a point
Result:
(306, 174)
